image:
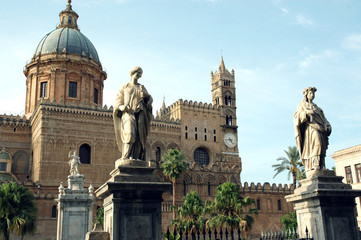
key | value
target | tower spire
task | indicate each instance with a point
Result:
(222, 68)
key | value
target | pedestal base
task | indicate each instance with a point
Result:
(326, 206)
(132, 203)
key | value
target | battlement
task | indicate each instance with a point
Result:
(267, 188)
(15, 121)
(78, 108)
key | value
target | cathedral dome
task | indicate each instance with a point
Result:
(67, 40)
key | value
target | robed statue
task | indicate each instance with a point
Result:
(74, 163)
(132, 114)
(312, 131)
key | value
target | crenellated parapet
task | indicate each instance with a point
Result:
(14, 121)
(170, 111)
(76, 108)
(267, 188)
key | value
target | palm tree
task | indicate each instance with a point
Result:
(173, 166)
(231, 209)
(291, 163)
(17, 210)
(191, 213)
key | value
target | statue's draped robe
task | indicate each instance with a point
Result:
(132, 125)
(311, 135)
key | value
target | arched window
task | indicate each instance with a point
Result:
(205, 130)
(53, 211)
(184, 188)
(196, 136)
(279, 205)
(214, 138)
(201, 156)
(186, 135)
(258, 204)
(209, 189)
(230, 121)
(229, 102)
(227, 119)
(205, 137)
(85, 153)
(157, 156)
(225, 100)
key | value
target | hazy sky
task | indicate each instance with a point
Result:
(277, 48)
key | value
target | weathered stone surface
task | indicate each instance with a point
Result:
(74, 209)
(97, 233)
(132, 203)
(326, 206)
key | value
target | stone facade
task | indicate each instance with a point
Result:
(348, 165)
(56, 123)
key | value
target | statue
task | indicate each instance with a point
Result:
(74, 163)
(312, 130)
(131, 116)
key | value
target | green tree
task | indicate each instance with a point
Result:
(173, 166)
(17, 210)
(290, 222)
(230, 209)
(100, 216)
(191, 213)
(291, 163)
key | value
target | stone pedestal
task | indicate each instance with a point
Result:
(75, 208)
(326, 206)
(132, 202)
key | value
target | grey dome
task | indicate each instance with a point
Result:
(67, 40)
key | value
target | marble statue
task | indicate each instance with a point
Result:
(132, 114)
(74, 163)
(312, 131)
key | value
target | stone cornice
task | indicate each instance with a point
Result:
(347, 151)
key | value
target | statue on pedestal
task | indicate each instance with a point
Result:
(74, 163)
(312, 131)
(132, 114)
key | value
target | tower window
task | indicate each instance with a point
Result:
(214, 131)
(195, 129)
(229, 120)
(70, 20)
(205, 137)
(229, 103)
(201, 156)
(184, 188)
(209, 189)
(205, 130)
(186, 128)
(214, 138)
(85, 153)
(279, 205)
(43, 89)
(95, 96)
(258, 204)
(53, 211)
(73, 86)
(157, 156)
(186, 136)
(196, 136)
(3, 167)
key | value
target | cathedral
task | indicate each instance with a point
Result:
(64, 112)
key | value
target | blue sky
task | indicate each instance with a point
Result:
(277, 48)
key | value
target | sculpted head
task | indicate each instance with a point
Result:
(309, 93)
(135, 70)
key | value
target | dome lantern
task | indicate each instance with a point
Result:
(68, 17)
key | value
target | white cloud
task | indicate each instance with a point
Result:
(303, 20)
(316, 58)
(353, 42)
(284, 10)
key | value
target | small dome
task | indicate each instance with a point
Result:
(4, 155)
(68, 40)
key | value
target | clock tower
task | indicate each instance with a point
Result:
(224, 96)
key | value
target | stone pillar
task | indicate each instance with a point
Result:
(75, 209)
(132, 202)
(326, 206)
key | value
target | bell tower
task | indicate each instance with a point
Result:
(224, 96)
